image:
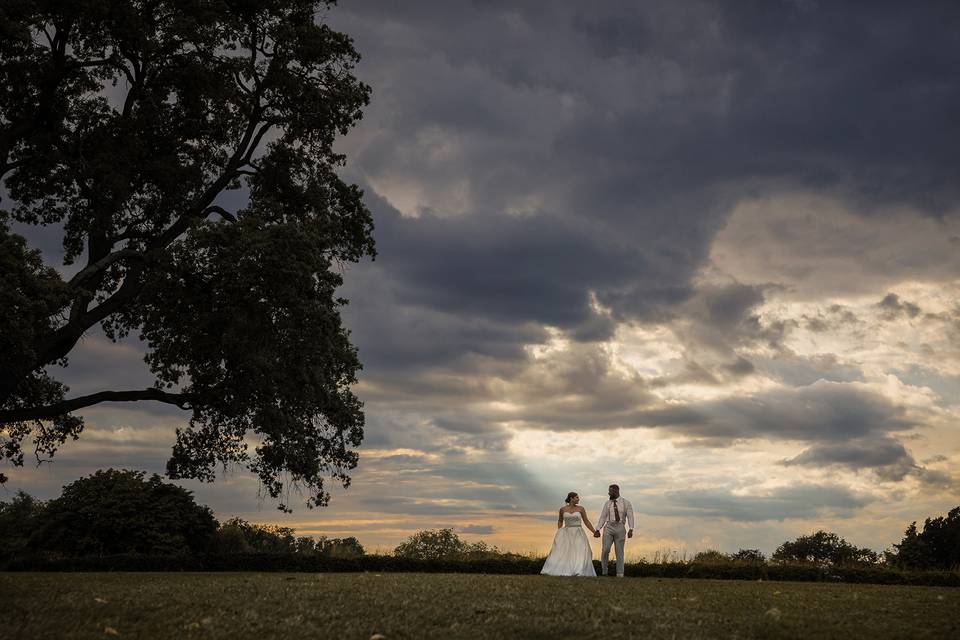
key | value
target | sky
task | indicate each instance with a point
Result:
(704, 250)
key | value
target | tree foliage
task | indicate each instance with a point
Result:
(348, 547)
(123, 512)
(937, 546)
(444, 544)
(711, 556)
(749, 555)
(118, 511)
(19, 518)
(124, 123)
(824, 548)
(236, 535)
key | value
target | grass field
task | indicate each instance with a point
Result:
(294, 606)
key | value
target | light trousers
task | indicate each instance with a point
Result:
(615, 535)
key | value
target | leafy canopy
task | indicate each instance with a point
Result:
(824, 548)
(124, 123)
(936, 546)
(444, 544)
(119, 511)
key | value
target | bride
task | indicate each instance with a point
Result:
(571, 554)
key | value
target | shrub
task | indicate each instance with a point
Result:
(711, 556)
(348, 547)
(749, 555)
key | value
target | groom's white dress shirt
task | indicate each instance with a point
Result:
(608, 514)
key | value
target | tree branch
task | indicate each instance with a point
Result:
(59, 343)
(100, 265)
(66, 406)
(223, 213)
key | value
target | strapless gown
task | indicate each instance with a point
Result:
(571, 554)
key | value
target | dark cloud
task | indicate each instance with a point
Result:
(691, 93)
(720, 320)
(885, 453)
(395, 429)
(885, 456)
(796, 501)
(892, 307)
(835, 316)
(535, 268)
(597, 150)
(827, 411)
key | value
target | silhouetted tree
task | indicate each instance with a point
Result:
(937, 546)
(444, 544)
(749, 555)
(432, 545)
(123, 123)
(236, 534)
(232, 537)
(19, 518)
(711, 556)
(824, 547)
(348, 547)
(120, 511)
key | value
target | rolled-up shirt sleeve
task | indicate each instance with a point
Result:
(602, 520)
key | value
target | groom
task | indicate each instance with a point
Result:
(615, 512)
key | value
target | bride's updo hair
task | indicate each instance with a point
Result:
(570, 496)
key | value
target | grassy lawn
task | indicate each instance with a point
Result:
(405, 605)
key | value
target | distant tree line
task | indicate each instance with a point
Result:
(934, 547)
(114, 512)
(117, 512)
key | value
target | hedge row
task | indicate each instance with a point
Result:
(378, 563)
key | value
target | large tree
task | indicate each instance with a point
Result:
(123, 123)
(936, 546)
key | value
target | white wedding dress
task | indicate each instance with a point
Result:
(571, 554)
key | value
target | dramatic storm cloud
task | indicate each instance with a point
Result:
(708, 250)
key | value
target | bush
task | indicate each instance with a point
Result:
(824, 548)
(339, 547)
(711, 556)
(121, 511)
(749, 555)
